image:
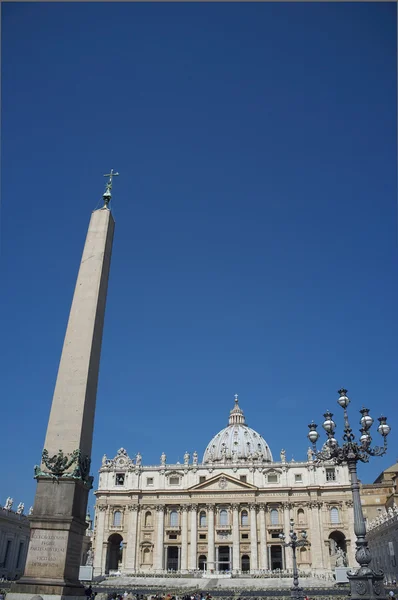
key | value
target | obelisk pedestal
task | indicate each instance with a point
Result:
(58, 521)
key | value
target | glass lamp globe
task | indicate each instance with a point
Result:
(366, 420)
(313, 434)
(329, 425)
(383, 428)
(365, 438)
(343, 398)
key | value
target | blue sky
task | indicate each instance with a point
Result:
(255, 247)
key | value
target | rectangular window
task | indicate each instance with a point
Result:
(275, 536)
(202, 536)
(202, 478)
(243, 478)
(119, 479)
(174, 480)
(272, 478)
(245, 536)
(19, 556)
(149, 480)
(274, 517)
(298, 478)
(7, 552)
(330, 474)
(172, 536)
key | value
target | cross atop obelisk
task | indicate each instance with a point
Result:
(107, 195)
(58, 522)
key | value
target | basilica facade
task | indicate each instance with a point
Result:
(224, 513)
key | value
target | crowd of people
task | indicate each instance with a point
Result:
(131, 596)
(90, 595)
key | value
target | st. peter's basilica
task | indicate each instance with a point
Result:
(224, 513)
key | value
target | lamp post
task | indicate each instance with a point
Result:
(296, 591)
(365, 583)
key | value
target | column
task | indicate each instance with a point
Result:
(263, 562)
(324, 520)
(316, 535)
(99, 540)
(194, 536)
(235, 538)
(140, 520)
(210, 537)
(131, 541)
(286, 529)
(159, 538)
(349, 521)
(184, 538)
(253, 538)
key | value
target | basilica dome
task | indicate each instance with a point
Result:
(237, 443)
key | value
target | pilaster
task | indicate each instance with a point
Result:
(130, 562)
(99, 539)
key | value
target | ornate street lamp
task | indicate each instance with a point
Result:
(296, 591)
(365, 583)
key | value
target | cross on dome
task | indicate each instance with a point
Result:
(236, 414)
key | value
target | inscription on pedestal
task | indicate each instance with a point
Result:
(47, 549)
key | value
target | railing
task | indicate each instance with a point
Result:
(255, 574)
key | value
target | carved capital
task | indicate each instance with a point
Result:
(235, 507)
(193, 508)
(184, 508)
(262, 506)
(210, 507)
(160, 508)
(349, 503)
(133, 507)
(252, 506)
(101, 507)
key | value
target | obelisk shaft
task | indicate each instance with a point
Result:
(71, 422)
(63, 483)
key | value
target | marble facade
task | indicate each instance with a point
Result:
(223, 514)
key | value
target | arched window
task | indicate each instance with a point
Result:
(117, 518)
(244, 518)
(148, 519)
(202, 562)
(173, 518)
(245, 563)
(300, 516)
(147, 556)
(274, 517)
(223, 517)
(202, 519)
(334, 515)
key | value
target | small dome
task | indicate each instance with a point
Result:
(237, 443)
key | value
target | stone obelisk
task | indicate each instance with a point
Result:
(58, 521)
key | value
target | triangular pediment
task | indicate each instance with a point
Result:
(222, 482)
